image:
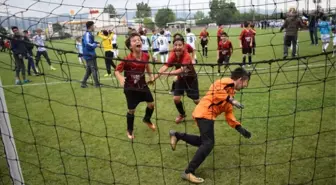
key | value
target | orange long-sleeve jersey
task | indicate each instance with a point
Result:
(215, 102)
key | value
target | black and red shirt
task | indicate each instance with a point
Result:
(224, 48)
(134, 70)
(246, 37)
(184, 60)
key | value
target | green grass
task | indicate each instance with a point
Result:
(293, 138)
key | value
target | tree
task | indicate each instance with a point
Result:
(199, 15)
(204, 21)
(57, 27)
(164, 16)
(143, 10)
(149, 23)
(110, 10)
(222, 12)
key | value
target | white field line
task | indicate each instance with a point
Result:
(107, 79)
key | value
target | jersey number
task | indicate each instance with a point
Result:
(161, 42)
(191, 40)
(143, 41)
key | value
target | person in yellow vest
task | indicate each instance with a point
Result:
(108, 49)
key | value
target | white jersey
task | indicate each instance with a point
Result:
(191, 40)
(145, 43)
(167, 34)
(114, 39)
(163, 43)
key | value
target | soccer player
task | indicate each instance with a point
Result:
(134, 82)
(89, 54)
(29, 47)
(246, 40)
(146, 44)
(20, 51)
(155, 45)
(79, 48)
(204, 35)
(115, 45)
(254, 32)
(334, 41)
(325, 33)
(191, 40)
(187, 77)
(292, 25)
(41, 50)
(107, 46)
(167, 34)
(219, 99)
(163, 46)
(219, 32)
(225, 50)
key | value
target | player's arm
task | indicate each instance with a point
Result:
(232, 121)
(118, 71)
(160, 72)
(91, 45)
(149, 72)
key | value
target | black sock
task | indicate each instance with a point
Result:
(148, 114)
(173, 86)
(219, 68)
(130, 122)
(244, 60)
(179, 107)
(250, 59)
(253, 51)
(206, 51)
(203, 49)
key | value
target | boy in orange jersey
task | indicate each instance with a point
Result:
(219, 99)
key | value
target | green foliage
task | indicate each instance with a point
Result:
(143, 10)
(205, 21)
(111, 10)
(199, 15)
(222, 12)
(164, 16)
(3, 31)
(149, 23)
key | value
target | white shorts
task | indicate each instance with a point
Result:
(325, 38)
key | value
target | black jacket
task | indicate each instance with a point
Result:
(18, 45)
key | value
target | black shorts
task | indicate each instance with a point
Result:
(155, 50)
(115, 46)
(169, 42)
(80, 55)
(136, 96)
(164, 53)
(204, 42)
(223, 59)
(189, 86)
(247, 50)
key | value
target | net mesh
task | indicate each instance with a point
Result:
(68, 135)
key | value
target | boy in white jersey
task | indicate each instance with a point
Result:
(163, 46)
(167, 34)
(155, 45)
(145, 42)
(191, 40)
(41, 50)
(79, 48)
(114, 45)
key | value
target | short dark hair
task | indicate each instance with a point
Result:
(105, 32)
(220, 25)
(252, 25)
(14, 27)
(162, 32)
(324, 18)
(128, 40)
(224, 34)
(178, 39)
(178, 34)
(141, 32)
(240, 73)
(246, 24)
(188, 30)
(25, 31)
(89, 24)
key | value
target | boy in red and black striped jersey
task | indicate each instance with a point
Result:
(254, 32)
(134, 82)
(204, 35)
(246, 41)
(187, 77)
(225, 50)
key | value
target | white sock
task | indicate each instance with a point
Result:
(162, 58)
(326, 45)
(166, 55)
(80, 60)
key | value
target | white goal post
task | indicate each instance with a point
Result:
(7, 136)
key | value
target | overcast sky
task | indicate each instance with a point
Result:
(44, 7)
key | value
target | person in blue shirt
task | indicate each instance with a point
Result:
(89, 55)
(325, 33)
